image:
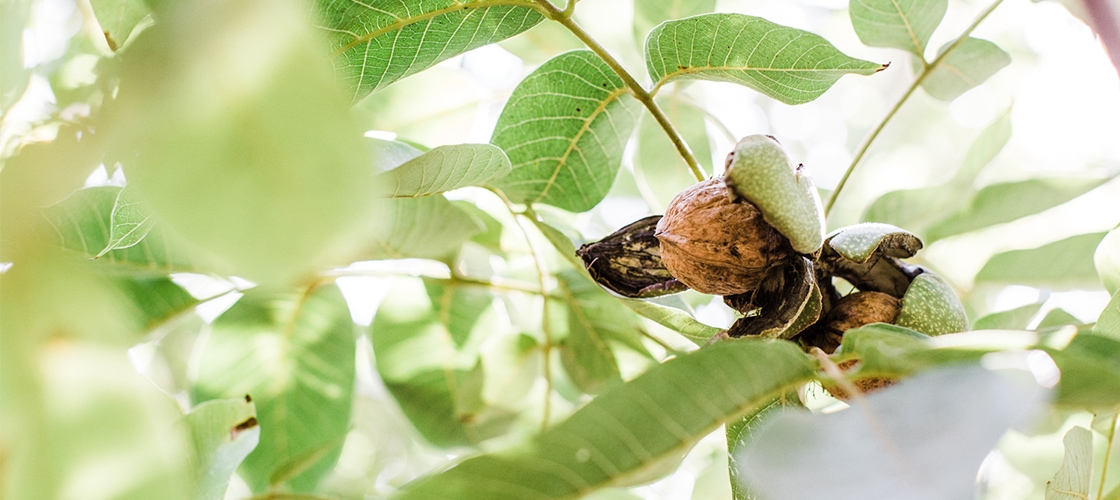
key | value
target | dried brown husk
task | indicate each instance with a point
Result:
(715, 245)
(628, 262)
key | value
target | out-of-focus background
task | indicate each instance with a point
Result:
(1060, 96)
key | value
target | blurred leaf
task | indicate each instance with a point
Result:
(899, 24)
(564, 130)
(224, 432)
(1109, 321)
(130, 221)
(931, 306)
(648, 15)
(448, 167)
(96, 429)
(972, 62)
(426, 340)
(1005, 202)
(157, 299)
(984, 148)
(659, 170)
(630, 428)
(1011, 319)
(278, 177)
(389, 155)
(118, 17)
(13, 74)
(1071, 482)
(375, 44)
(787, 64)
(1106, 259)
(429, 228)
(83, 223)
(1062, 264)
(1057, 317)
(294, 354)
(1089, 366)
(923, 438)
(917, 209)
(674, 319)
(594, 320)
(739, 435)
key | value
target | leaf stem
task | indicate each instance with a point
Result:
(927, 69)
(1107, 453)
(564, 18)
(546, 317)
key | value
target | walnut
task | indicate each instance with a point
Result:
(853, 311)
(716, 245)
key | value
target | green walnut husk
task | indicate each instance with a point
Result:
(760, 171)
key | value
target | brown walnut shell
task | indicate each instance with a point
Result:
(853, 311)
(716, 245)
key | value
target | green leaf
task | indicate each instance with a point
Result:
(972, 62)
(157, 299)
(674, 319)
(899, 24)
(894, 443)
(564, 129)
(931, 306)
(130, 221)
(984, 149)
(739, 436)
(89, 426)
(278, 178)
(648, 15)
(917, 209)
(787, 64)
(1062, 264)
(426, 336)
(1106, 259)
(447, 167)
(1109, 321)
(377, 43)
(293, 353)
(1057, 317)
(118, 17)
(659, 170)
(430, 228)
(1005, 202)
(83, 223)
(631, 428)
(594, 321)
(1071, 482)
(223, 432)
(1011, 319)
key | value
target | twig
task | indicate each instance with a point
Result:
(1107, 453)
(546, 318)
(639, 92)
(927, 69)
